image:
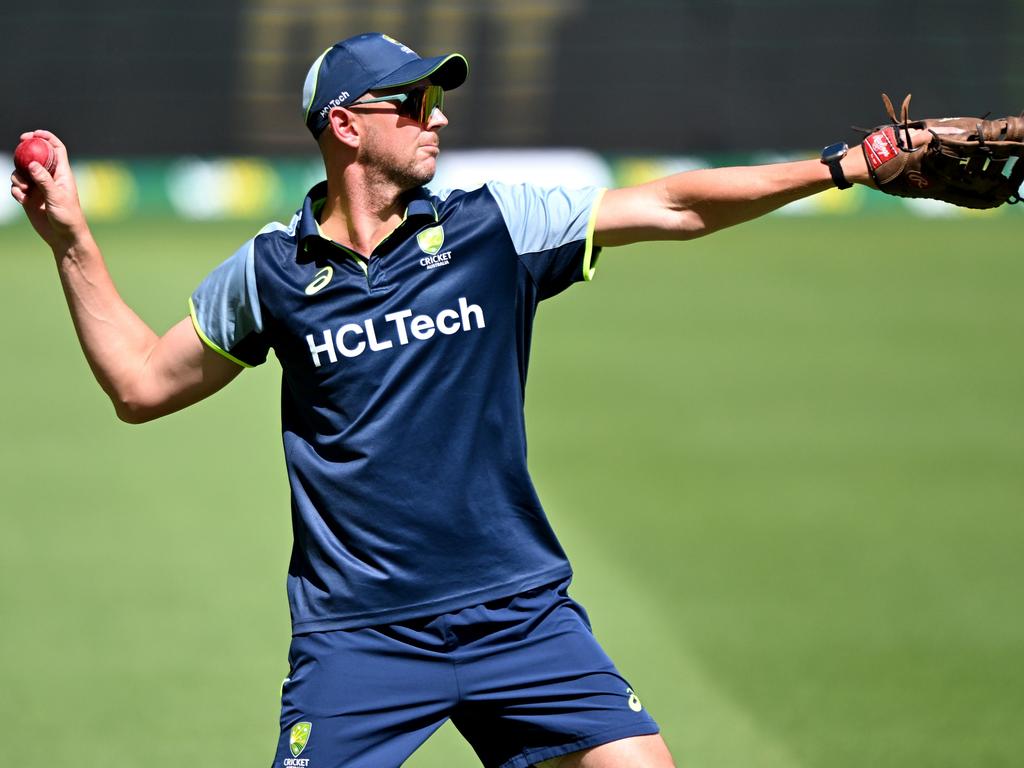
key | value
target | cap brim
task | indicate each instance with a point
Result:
(448, 71)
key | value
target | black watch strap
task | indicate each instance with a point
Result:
(832, 156)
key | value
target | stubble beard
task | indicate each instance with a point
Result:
(388, 171)
(405, 178)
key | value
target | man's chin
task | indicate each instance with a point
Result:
(412, 176)
(423, 173)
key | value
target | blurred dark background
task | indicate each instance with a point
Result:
(119, 77)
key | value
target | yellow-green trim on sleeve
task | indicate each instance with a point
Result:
(590, 268)
(206, 339)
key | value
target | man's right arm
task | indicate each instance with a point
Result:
(145, 375)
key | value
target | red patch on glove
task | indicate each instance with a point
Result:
(881, 147)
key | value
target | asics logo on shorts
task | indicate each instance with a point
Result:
(634, 701)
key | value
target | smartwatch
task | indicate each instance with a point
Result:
(830, 156)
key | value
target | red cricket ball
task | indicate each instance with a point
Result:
(36, 149)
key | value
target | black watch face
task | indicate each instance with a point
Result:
(834, 152)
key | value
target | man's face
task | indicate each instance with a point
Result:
(401, 149)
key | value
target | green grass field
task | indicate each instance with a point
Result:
(787, 461)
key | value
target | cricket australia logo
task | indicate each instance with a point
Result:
(403, 46)
(430, 242)
(298, 738)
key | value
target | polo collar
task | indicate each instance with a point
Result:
(419, 207)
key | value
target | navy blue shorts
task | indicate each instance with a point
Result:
(522, 678)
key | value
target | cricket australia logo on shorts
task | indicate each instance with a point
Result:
(297, 740)
(353, 339)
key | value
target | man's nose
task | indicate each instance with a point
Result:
(437, 120)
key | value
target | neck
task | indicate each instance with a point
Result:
(360, 211)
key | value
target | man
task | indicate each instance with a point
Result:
(424, 574)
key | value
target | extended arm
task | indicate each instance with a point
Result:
(695, 203)
(145, 375)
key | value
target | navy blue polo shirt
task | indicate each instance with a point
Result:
(403, 382)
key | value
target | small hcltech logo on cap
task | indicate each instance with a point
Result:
(431, 240)
(299, 737)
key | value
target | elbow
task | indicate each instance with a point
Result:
(131, 413)
(132, 409)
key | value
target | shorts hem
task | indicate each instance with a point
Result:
(532, 756)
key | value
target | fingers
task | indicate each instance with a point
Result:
(920, 137)
(42, 134)
(52, 139)
(58, 146)
(18, 181)
(22, 191)
(20, 188)
(41, 177)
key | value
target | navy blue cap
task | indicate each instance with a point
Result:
(347, 70)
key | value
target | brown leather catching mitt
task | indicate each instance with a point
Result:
(970, 161)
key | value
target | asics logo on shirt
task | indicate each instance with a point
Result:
(354, 339)
(322, 278)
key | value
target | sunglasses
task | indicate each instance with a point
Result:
(417, 104)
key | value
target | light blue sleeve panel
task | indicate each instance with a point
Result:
(225, 310)
(552, 230)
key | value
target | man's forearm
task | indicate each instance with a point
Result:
(144, 375)
(113, 337)
(711, 199)
(695, 203)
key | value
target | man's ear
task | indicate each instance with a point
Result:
(344, 126)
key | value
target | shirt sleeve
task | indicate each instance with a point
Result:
(552, 230)
(226, 313)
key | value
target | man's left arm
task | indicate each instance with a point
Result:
(694, 203)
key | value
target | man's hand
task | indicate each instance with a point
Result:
(145, 375)
(967, 161)
(51, 202)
